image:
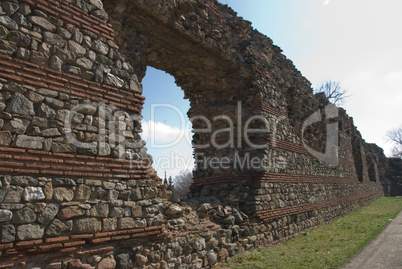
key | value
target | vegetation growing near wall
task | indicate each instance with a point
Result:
(328, 246)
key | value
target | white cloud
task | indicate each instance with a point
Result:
(169, 146)
(326, 2)
(307, 23)
(158, 134)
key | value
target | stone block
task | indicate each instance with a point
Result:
(5, 138)
(29, 142)
(82, 193)
(57, 228)
(33, 194)
(48, 214)
(87, 226)
(126, 223)
(19, 104)
(5, 215)
(24, 215)
(54, 39)
(30, 232)
(7, 233)
(70, 212)
(63, 194)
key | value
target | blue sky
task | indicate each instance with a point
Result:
(357, 43)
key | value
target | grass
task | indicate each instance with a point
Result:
(328, 246)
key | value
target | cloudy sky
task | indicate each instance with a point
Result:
(357, 43)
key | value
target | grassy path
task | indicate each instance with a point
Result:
(328, 246)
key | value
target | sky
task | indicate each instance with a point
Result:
(357, 43)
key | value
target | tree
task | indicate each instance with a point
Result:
(333, 91)
(396, 137)
(182, 184)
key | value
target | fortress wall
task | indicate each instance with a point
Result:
(77, 189)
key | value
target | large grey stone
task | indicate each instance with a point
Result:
(7, 47)
(51, 132)
(16, 125)
(24, 180)
(72, 69)
(14, 87)
(43, 23)
(10, 7)
(48, 214)
(29, 232)
(35, 97)
(33, 194)
(13, 195)
(57, 228)
(24, 215)
(126, 223)
(97, 3)
(71, 212)
(40, 122)
(87, 225)
(21, 20)
(5, 138)
(3, 32)
(113, 80)
(56, 63)
(46, 112)
(5, 215)
(19, 38)
(7, 233)
(8, 22)
(100, 210)
(100, 47)
(63, 147)
(54, 39)
(63, 194)
(19, 104)
(84, 63)
(38, 58)
(29, 142)
(76, 48)
(64, 182)
(82, 193)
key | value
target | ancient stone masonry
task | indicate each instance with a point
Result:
(77, 189)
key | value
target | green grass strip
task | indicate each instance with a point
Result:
(328, 246)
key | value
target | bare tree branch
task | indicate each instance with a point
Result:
(182, 184)
(333, 91)
(396, 137)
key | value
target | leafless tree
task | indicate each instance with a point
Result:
(333, 91)
(182, 184)
(396, 137)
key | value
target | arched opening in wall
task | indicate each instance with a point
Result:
(167, 129)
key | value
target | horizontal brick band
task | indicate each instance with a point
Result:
(293, 210)
(73, 15)
(34, 162)
(32, 74)
(75, 242)
(269, 178)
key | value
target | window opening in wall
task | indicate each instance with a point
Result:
(165, 124)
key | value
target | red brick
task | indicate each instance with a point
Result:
(10, 265)
(102, 234)
(64, 250)
(95, 251)
(72, 244)
(5, 246)
(56, 239)
(51, 246)
(100, 240)
(28, 243)
(81, 236)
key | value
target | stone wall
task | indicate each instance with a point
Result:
(77, 186)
